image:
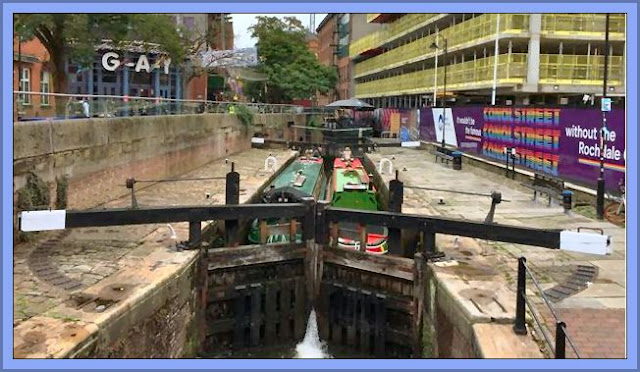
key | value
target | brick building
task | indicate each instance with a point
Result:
(31, 74)
(326, 32)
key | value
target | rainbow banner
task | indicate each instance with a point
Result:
(563, 142)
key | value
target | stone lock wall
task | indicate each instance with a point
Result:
(96, 156)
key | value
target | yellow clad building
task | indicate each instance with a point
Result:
(553, 59)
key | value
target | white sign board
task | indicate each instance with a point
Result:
(606, 104)
(443, 122)
(585, 243)
(42, 220)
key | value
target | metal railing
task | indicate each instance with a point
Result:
(512, 68)
(469, 31)
(392, 31)
(583, 25)
(519, 327)
(580, 69)
(51, 106)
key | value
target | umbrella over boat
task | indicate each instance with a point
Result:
(352, 103)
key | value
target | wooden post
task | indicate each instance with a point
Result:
(239, 310)
(324, 315)
(256, 314)
(270, 314)
(363, 237)
(195, 234)
(350, 316)
(301, 313)
(419, 283)
(308, 221)
(365, 318)
(232, 196)
(263, 231)
(322, 232)
(335, 306)
(380, 325)
(428, 241)
(293, 224)
(396, 195)
(285, 311)
(334, 234)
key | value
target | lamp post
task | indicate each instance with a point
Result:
(444, 96)
(600, 190)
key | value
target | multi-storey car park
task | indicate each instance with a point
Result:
(553, 59)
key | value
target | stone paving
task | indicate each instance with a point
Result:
(54, 265)
(594, 316)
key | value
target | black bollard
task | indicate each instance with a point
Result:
(457, 160)
(519, 327)
(567, 200)
(496, 198)
(232, 196)
(396, 196)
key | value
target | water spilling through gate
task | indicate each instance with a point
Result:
(312, 347)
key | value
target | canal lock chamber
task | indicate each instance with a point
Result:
(259, 300)
(261, 309)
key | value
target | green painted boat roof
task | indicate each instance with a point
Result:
(351, 176)
(310, 170)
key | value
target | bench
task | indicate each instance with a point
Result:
(545, 184)
(444, 154)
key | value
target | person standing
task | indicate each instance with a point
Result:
(85, 108)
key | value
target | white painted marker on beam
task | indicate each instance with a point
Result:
(43, 220)
(585, 243)
(410, 144)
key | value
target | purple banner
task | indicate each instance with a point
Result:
(562, 142)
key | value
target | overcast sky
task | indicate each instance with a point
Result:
(241, 23)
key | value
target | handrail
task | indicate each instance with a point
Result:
(30, 105)
(522, 300)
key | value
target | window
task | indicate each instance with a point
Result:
(44, 88)
(25, 85)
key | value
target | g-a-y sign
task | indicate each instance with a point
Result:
(111, 61)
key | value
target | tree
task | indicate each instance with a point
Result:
(292, 69)
(74, 36)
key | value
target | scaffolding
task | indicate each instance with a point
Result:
(583, 26)
(580, 70)
(512, 70)
(392, 31)
(459, 36)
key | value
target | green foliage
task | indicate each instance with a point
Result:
(62, 184)
(34, 195)
(293, 71)
(74, 36)
(245, 114)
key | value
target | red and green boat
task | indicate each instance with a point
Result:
(351, 187)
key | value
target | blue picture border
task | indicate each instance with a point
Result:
(573, 6)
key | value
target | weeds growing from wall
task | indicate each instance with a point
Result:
(32, 196)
